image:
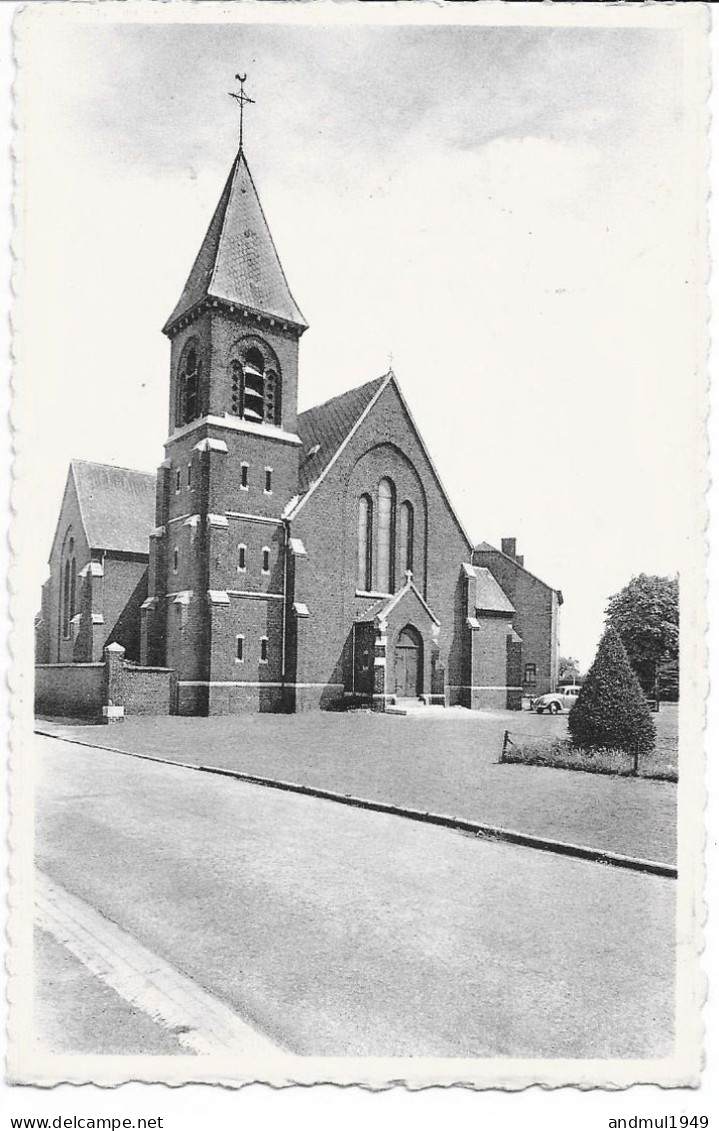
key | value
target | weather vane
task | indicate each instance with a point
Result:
(241, 98)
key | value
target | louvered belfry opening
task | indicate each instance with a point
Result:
(255, 386)
(188, 400)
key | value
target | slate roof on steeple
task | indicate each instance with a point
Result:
(322, 429)
(238, 261)
(117, 506)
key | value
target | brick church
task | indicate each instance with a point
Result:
(290, 560)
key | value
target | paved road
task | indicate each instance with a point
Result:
(441, 764)
(335, 931)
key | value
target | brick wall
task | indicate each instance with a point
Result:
(385, 444)
(81, 690)
(69, 690)
(149, 691)
(489, 664)
(61, 647)
(536, 619)
(123, 591)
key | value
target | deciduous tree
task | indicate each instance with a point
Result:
(646, 615)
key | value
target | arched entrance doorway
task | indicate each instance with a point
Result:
(408, 662)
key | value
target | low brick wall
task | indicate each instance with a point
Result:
(149, 691)
(83, 690)
(74, 691)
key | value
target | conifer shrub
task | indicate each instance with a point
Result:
(611, 711)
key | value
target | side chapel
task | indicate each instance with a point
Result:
(297, 560)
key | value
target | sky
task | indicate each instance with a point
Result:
(509, 214)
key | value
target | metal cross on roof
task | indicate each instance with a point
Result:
(241, 98)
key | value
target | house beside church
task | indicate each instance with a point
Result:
(296, 560)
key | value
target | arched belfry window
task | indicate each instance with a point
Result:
(188, 383)
(364, 543)
(406, 536)
(385, 536)
(255, 382)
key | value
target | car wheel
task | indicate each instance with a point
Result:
(554, 708)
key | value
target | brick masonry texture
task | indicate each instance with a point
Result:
(69, 690)
(536, 619)
(81, 690)
(300, 614)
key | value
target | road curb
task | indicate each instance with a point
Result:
(476, 828)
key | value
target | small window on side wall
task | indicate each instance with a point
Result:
(175, 559)
(244, 475)
(242, 558)
(265, 559)
(268, 480)
(240, 649)
(263, 649)
(530, 673)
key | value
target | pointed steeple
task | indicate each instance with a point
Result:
(238, 263)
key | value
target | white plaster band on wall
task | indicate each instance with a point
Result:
(474, 687)
(238, 683)
(98, 618)
(230, 424)
(149, 603)
(300, 609)
(217, 520)
(193, 520)
(254, 517)
(380, 661)
(297, 547)
(179, 518)
(255, 593)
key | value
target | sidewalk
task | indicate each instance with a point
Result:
(443, 766)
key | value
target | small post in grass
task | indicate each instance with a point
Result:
(505, 744)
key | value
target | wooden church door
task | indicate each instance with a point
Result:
(408, 664)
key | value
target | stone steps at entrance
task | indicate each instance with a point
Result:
(416, 708)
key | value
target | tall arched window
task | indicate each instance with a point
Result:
(66, 601)
(255, 383)
(385, 536)
(188, 383)
(364, 543)
(406, 536)
(73, 583)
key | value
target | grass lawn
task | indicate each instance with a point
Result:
(530, 746)
(443, 765)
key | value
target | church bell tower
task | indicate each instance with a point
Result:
(216, 611)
